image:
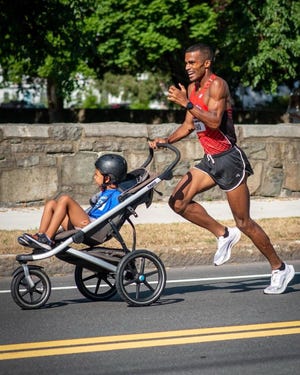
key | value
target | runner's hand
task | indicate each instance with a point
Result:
(153, 144)
(178, 96)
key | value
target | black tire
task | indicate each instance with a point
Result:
(141, 278)
(31, 298)
(95, 285)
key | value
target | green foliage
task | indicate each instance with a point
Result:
(90, 101)
(257, 41)
(260, 42)
(45, 39)
(138, 90)
(203, 22)
(128, 37)
(278, 52)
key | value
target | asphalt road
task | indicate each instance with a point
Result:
(208, 321)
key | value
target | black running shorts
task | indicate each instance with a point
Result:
(227, 169)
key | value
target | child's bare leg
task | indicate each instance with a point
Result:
(48, 212)
(67, 208)
(66, 224)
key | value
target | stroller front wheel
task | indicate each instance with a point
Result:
(140, 278)
(34, 296)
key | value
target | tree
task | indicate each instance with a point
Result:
(142, 35)
(45, 39)
(260, 42)
(257, 41)
(55, 39)
(137, 90)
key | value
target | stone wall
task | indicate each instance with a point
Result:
(38, 162)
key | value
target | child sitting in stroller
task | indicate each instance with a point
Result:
(110, 170)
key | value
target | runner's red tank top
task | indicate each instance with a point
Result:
(213, 141)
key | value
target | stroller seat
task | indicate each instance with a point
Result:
(110, 228)
(134, 181)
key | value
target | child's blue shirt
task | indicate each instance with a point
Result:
(106, 200)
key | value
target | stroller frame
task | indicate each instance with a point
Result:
(138, 276)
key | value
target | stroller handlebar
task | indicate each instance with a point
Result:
(171, 165)
(149, 158)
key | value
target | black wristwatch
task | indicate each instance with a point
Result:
(189, 106)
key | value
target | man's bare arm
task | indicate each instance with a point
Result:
(183, 130)
(218, 95)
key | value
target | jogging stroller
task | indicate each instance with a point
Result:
(138, 276)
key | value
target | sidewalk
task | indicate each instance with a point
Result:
(29, 218)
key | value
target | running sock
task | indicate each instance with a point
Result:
(282, 267)
(226, 234)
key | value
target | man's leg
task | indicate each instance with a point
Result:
(194, 182)
(239, 202)
(282, 273)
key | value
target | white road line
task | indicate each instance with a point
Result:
(181, 281)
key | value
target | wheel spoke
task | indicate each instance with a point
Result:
(98, 285)
(89, 277)
(37, 291)
(137, 293)
(36, 284)
(151, 273)
(24, 294)
(142, 266)
(148, 286)
(107, 282)
(129, 282)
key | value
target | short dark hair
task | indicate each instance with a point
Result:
(205, 50)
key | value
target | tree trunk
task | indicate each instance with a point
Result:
(55, 101)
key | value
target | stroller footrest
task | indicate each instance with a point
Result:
(78, 237)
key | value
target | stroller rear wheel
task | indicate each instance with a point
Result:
(95, 285)
(31, 297)
(140, 278)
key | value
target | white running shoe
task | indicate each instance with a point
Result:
(280, 280)
(225, 245)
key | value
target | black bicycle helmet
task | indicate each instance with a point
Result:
(112, 165)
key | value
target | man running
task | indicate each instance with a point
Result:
(209, 113)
